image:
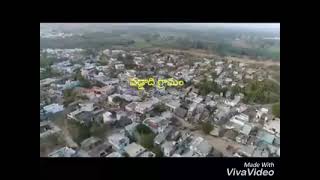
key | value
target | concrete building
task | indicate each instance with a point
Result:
(134, 150)
(53, 108)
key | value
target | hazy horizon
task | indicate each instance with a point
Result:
(260, 26)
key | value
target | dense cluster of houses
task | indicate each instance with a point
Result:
(253, 127)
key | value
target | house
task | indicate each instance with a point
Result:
(122, 122)
(221, 115)
(108, 118)
(260, 153)
(111, 97)
(161, 137)
(62, 152)
(118, 141)
(273, 126)
(240, 119)
(143, 107)
(119, 66)
(168, 148)
(215, 131)
(48, 128)
(116, 52)
(200, 146)
(69, 84)
(147, 154)
(211, 103)
(134, 150)
(277, 140)
(106, 52)
(241, 138)
(88, 106)
(114, 154)
(174, 135)
(261, 112)
(81, 153)
(84, 113)
(234, 102)
(189, 153)
(53, 108)
(89, 143)
(218, 70)
(265, 136)
(228, 80)
(130, 129)
(131, 107)
(180, 112)
(156, 124)
(167, 115)
(247, 150)
(241, 108)
(278, 152)
(173, 105)
(84, 117)
(101, 150)
(246, 129)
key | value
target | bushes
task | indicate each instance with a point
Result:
(144, 136)
(276, 110)
(207, 127)
(263, 92)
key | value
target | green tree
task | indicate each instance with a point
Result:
(207, 127)
(157, 151)
(160, 108)
(276, 110)
(143, 129)
(98, 130)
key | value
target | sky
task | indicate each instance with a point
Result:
(257, 26)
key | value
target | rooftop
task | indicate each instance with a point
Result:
(133, 149)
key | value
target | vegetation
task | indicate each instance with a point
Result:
(78, 132)
(83, 81)
(276, 110)
(143, 129)
(205, 87)
(207, 127)
(50, 143)
(160, 108)
(69, 96)
(263, 92)
(127, 61)
(98, 130)
(144, 136)
(157, 151)
(225, 42)
(48, 72)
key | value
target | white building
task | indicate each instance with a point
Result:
(118, 141)
(62, 152)
(114, 154)
(134, 150)
(86, 106)
(53, 108)
(107, 117)
(168, 148)
(234, 102)
(119, 66)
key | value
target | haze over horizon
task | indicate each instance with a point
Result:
(257, 26)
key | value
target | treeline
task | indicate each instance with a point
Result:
(260, 92)
(218, 42)
(90, 40)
